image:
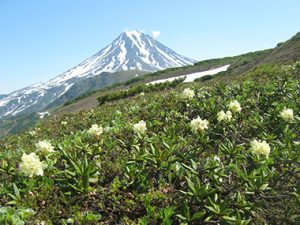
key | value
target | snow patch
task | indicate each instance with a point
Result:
(3, 102)
(43, 114)
(193, 76)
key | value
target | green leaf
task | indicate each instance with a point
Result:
(191, 185)
(16, 190)
(198, 216)
(229, 218)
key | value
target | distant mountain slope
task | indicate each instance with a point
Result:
(132, 50)
(284, 52)
(91, 84)
(3, 96)
(288, 51)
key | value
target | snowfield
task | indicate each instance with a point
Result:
(193, 76)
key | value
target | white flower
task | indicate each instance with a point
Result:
(95, 130)
(32, 133)
(287, 115)
(187, 93)
(140, 127)
(296, 142)
(64, 123)
(134, 108)
(31, 165)
(224, 116)
(118, 112)
(201, 94)
(260, 147)
(142, 94)
(235, 106)
(45, 147)
(199, 125)
(217, 158)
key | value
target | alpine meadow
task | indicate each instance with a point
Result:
(138, 134)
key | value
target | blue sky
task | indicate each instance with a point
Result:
(42, 38)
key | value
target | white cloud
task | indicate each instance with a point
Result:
(155, 34)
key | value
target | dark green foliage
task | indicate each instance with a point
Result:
(132, 81)
(204, 78)
(88, 86)
(134, 90)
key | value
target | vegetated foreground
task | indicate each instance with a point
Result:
(219, 154)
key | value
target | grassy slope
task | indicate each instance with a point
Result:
(89, 85)
(286, 52)
(86, 103)
(16, 125)
(170, 174)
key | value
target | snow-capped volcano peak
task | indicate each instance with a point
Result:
(131, 50)
(132, 32)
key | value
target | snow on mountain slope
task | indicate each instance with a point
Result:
(132, 50)
(193, 76)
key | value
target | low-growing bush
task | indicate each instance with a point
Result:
(204, 78)
(134, 90)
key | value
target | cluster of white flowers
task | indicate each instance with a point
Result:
(118, 113)
(199, 125)
(288, 69)
(260, 147)
(235, 106)
(134, 108)
(187, 93)
(140, 127)
(287, 115)
(142, 94)
(32, 133)
(64, 123)
(45, 147)
(95, 130)
(31, 165)
(224, 116)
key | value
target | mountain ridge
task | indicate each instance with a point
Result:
(95, 83)
(131, 50)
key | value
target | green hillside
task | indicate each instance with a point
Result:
(89, 85)
(17, 124)
(82, 96)
(225, 151)
(285, 52)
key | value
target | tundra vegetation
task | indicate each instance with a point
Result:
(213, 152)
